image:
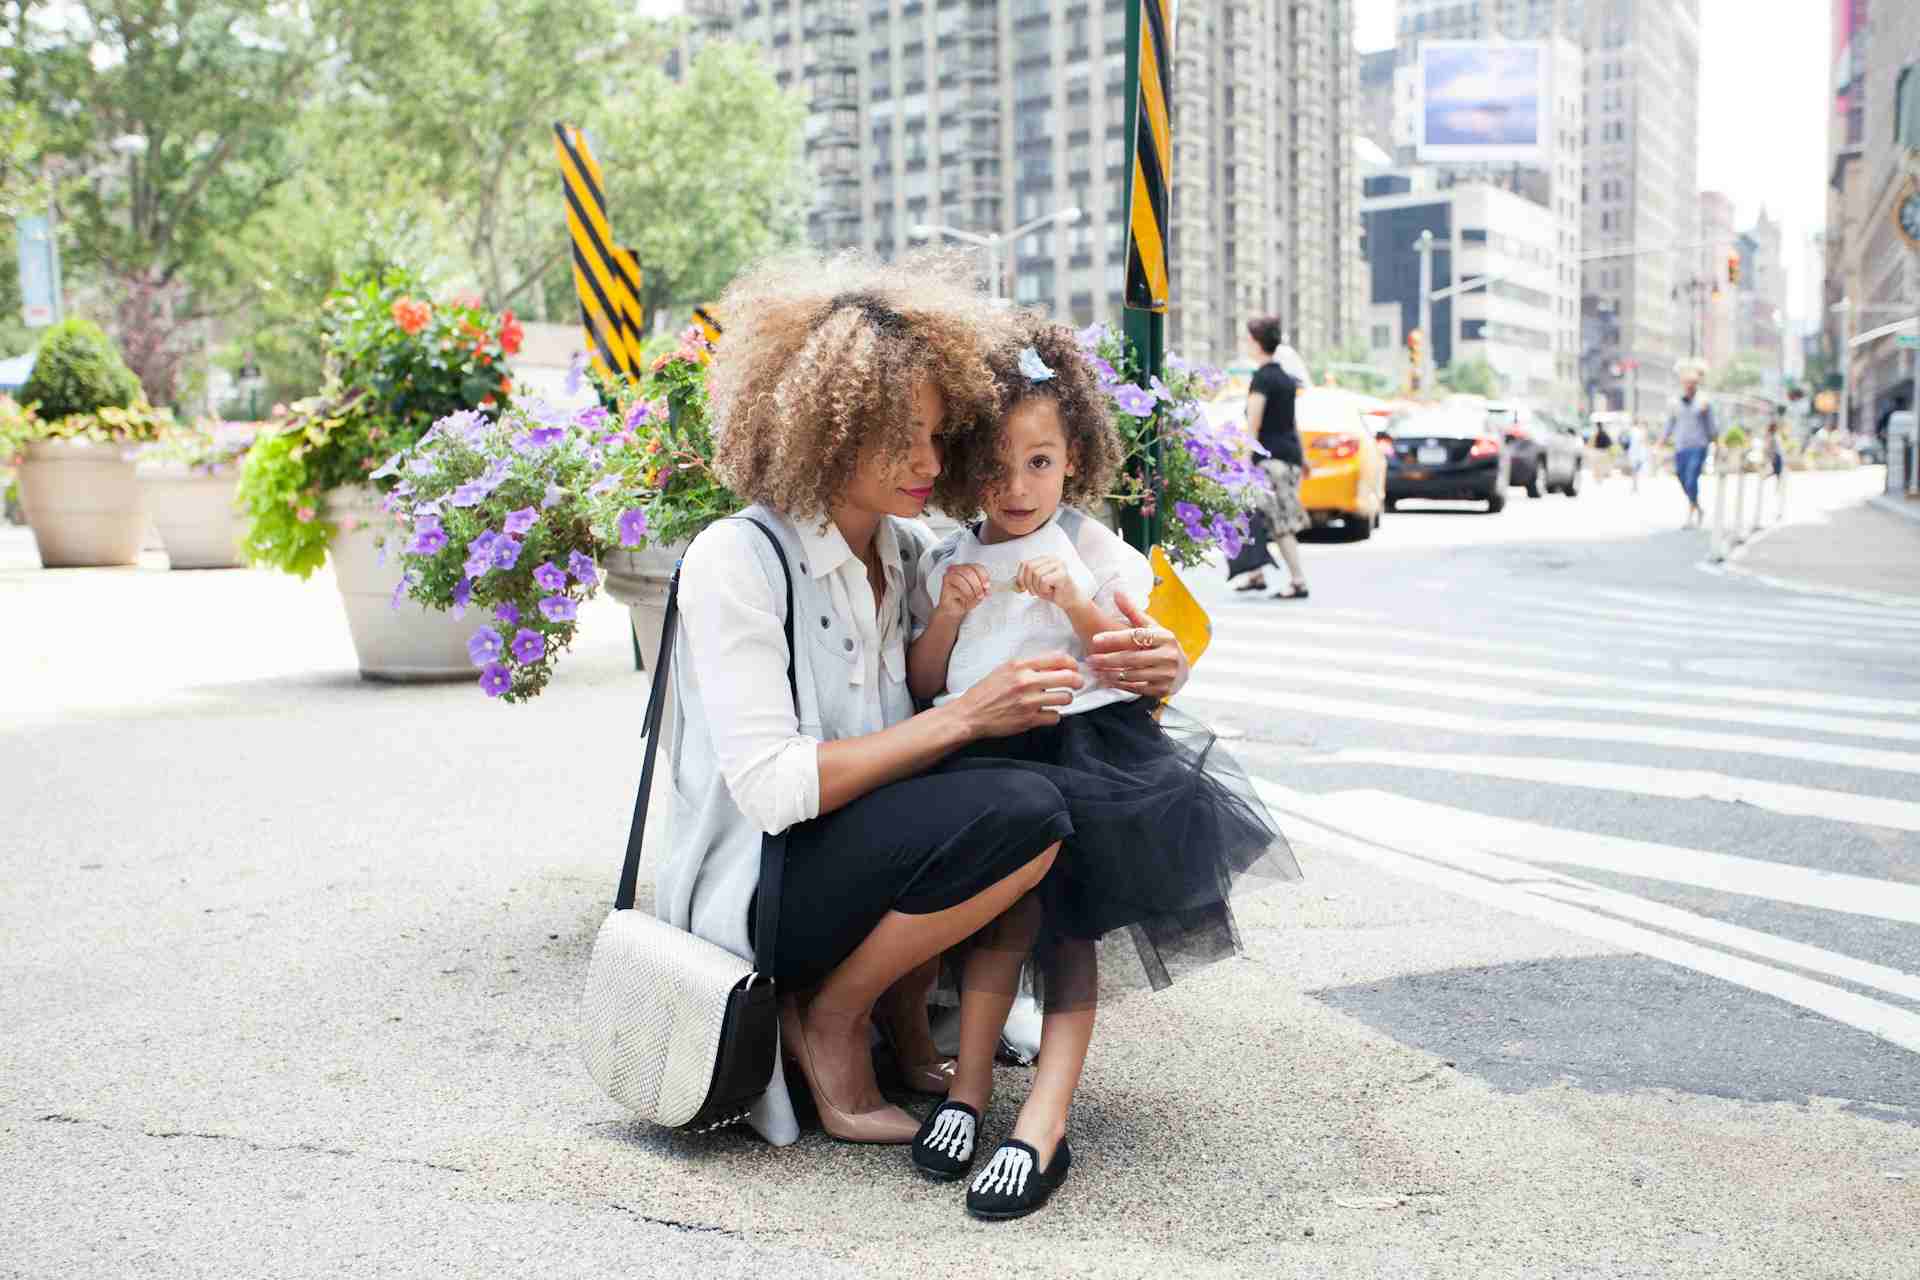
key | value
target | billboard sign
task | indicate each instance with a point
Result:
(39, 272)
(1482, 101)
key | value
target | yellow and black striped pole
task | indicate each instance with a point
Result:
(708, 324)
(1148, 195)
(606, 277)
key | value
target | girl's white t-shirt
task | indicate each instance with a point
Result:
(1010, 624)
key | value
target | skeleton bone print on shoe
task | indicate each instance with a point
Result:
(1005, 1174)
(952, 1134)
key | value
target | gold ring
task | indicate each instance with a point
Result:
(1143, 638)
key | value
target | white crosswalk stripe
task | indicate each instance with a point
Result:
(1612, 669)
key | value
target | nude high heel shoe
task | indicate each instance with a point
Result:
(887, 1125)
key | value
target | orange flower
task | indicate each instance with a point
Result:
(487, 402)
(511, 334)
(506, 386)
(483, 358)
(411, 315)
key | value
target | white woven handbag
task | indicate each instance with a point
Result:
(677, 1029)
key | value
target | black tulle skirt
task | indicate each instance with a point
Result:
(1167, 829)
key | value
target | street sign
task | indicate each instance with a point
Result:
(39, 272)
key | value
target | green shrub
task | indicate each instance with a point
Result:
(78, 371)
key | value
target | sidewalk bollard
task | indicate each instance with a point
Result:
(1780, 496)
(1717, 547)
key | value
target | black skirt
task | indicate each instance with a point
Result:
(1166, 829)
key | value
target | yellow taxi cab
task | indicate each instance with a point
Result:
(1346, 470)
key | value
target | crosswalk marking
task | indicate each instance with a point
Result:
(1414, 855)
(1279, 648)
(1242, 619)
(1646, 735)
(1824, 613)
(1647, 860)
(1678, 784)
(1701, 631)
(1333, 667)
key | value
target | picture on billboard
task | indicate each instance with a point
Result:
(1482, 102)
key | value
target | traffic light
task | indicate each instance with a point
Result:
(1733, 268)
(1416, 343)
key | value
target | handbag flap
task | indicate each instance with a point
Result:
(650, 1020)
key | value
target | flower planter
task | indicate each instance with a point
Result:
(410, 643)
(83, 503)
(639, 580)
(194, 514)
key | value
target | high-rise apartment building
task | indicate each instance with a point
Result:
(1886, 267)
(1717, 310)
(1641, 183)
(983, 115)
(1760, 327)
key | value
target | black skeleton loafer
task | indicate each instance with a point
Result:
(944, 1147)
(1013, 1184)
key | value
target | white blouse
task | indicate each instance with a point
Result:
(1010, 624)
(739, 652)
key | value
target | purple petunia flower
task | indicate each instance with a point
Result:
(1193, 518)
(551, 577)
(495, 679)
(1229, 535)
(391, 503)
(391, 467)
(1159, 389)
(637, 414)
(528, 646)
(1133, 400)
(518, 522)
(462, 597)
(1107, 373)
(603, 486)
(555, 495)
(506, 614)
(591, 418)
(471, 494)
(427, 542)
(426, 522)
(484, 646)
(559, 609)
(480, 554)
(633, 527)
(505, 552)
(404, 489)
(421, 466)
(576, 373)
(581, 567)
(427, 509)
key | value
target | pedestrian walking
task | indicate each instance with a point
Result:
(1163, 824)
(1271, 422)
(1776, 449)
(1691, 432)
(832, 397)
(1633, 441)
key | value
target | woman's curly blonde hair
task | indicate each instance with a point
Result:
(974, 465)
(820, 361)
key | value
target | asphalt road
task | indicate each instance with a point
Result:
(1605, 964)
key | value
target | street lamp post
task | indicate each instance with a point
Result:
(997, 242)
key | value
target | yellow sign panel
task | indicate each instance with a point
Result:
(605, 276)
(1174, 607)
(1150, 201)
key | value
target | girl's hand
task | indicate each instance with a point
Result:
(1155, 669)
(1048, 578)
(963, 587)
(1020, 695)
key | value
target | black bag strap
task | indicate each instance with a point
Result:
(773, 849)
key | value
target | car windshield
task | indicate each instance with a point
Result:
(1448, 425)
(1499, 416)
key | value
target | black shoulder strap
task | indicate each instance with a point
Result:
(773, 849)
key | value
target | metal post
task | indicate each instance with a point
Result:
(1913, 450)
(1740, 498)
(1718, 543)
(1425, 248)
(1146, 331)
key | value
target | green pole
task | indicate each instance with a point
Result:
(1145, 331)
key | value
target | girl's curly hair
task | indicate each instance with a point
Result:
(974, 467)
(820, 361)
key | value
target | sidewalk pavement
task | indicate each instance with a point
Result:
(1870, 550)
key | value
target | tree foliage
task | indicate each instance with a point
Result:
(78, 372)
(1471, 377)
(1742, 373)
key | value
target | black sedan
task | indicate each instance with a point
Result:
(1449, 454)
(1547, 457)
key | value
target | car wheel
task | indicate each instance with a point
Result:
(1537, 481)
(1496, 502)
(1359, 528)
(1393, 504)
(1575, 482)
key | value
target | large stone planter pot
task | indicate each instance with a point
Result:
(410, 643)
(194, 514)
(83, 503)
(639, 580)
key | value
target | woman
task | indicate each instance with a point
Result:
(830, 396)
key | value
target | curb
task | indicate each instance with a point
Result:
(1898, 506)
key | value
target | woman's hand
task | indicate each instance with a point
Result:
(962, 588)
(1143, 659)
(1048, 578)
(1020, 695)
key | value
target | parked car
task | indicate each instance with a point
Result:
(1346, 468)
(1450, 454)
(1548, 456)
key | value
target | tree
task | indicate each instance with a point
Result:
(1471, 377)
(1742, 373)
(203, 93)
(1352, 352)
(706, 175)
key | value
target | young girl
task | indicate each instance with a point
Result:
(1164, 824)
